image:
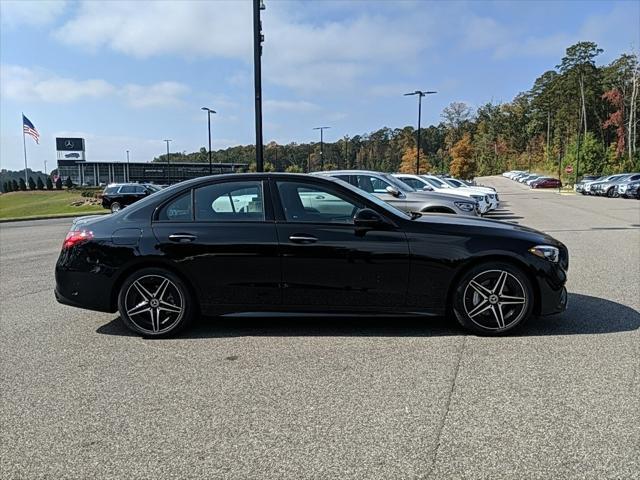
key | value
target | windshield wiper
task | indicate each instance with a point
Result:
(415, 215)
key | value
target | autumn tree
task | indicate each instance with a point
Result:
(409, 159)
(462, 163)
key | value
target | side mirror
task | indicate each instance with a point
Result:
(392, 191)
(368, 218)
(428, 188)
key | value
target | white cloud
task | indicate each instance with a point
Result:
(298, 53)
(25, 84)
(22, 83)
(147, 28)
(14, 13)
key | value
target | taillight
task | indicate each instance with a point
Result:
(76, 236)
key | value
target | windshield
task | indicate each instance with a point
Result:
(373, 199)
(403, 187)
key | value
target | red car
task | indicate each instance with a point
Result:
(547, 183)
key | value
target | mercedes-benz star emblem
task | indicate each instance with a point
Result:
(68, 144)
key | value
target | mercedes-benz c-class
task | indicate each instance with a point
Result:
(277, 242)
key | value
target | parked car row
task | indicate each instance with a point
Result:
(533, 180)
(626, 185)
(410, 193)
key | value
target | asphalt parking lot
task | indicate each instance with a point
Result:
(342, 398)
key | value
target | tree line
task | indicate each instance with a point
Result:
(577, 114)
(20, 185)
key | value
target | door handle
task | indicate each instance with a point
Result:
(302, 239)
(182, 237)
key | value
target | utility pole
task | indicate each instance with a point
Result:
(128, 169)
(322, 129)
(346, 151)
(168, 163)
(420, 94)
(258, 38)
(209, 112)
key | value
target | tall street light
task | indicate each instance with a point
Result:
(322, 129)
(168, 163)
(258, 38)
(209, 112)
(420, 94)
(128, 169)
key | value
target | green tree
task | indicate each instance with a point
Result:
(14, 186)
(49, 183)
(40, 184)
(58, 183)
(32, 184)
(5, 187)
(23, 185)
(68, 183)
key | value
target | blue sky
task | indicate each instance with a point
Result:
(126, 75)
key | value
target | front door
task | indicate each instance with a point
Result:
(221, 237)
(326, 260)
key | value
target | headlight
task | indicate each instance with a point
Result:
(547, 252)
(464, 206)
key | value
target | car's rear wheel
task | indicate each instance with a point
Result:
(115, 207)
(493, 298)
(155, 302)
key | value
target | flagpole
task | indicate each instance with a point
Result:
(24, 146)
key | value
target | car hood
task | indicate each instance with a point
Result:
(484, 226)
(417, 196)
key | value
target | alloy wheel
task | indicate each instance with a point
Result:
(115, 207)
(154, 304)
(495, 300)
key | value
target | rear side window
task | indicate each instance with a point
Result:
(177, 210)
(128, 189)
(111, 190)
(412, 182)
(230, 202)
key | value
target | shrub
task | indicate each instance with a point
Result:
(40, 184)
(49, 184)
(58, 183)
(32, 184)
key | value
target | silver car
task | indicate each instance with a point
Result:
(391, 190)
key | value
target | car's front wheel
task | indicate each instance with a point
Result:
(493, 298)
(155, 302)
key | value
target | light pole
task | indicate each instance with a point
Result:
(168, 163)
(346, 152)
(258, 38)
(128, 169)
(209, 112)
(420, 94)
(322, 129)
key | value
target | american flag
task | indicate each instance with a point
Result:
(29, 129)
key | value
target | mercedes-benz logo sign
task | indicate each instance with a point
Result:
(68, 144)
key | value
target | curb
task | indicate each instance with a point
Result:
(51, 217)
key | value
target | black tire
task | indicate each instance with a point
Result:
(115, 207)
(161, 307)
(481, 314)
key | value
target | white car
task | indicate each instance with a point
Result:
(458, 185)
(420, 183)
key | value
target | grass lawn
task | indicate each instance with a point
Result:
(15, 205)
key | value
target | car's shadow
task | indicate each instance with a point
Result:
(585, 315)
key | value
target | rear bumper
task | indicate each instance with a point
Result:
(84, 290)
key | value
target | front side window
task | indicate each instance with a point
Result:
(177, 210)
(303, 202)
(372, 184)
(128, 189)
(230, 202)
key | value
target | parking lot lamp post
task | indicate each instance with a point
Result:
(128, 169)
(168, 163)
(420, 94)
(209, 112)
(322, 129)
(258, 38)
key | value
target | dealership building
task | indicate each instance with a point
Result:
(72, 164)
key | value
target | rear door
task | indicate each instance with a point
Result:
(327, 262)
(223, 237)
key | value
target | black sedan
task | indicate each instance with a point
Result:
(299, 243)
